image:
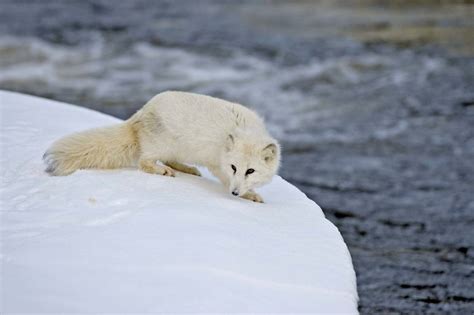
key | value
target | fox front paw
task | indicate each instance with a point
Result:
(253, 196)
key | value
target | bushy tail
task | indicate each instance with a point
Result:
(103, 148)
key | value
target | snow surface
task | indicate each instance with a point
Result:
(127, 241)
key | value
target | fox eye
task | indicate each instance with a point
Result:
(249, 171)
(233, 168)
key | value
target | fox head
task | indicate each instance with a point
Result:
(249, 162)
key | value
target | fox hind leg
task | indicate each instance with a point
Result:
(184, 168)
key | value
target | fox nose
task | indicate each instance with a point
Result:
(235, 192)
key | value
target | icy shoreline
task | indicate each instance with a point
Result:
(126, 241)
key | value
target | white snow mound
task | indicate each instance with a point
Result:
(121, 241)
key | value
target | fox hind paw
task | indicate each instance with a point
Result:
(166, 171)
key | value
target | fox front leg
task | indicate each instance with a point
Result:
(216, 171)
(250, 195)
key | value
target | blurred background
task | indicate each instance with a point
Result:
(373, 102)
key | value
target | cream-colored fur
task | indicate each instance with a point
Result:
(178, 128)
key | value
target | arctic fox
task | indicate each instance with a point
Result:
(178, 128)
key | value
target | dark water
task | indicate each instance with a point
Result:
(373, 103)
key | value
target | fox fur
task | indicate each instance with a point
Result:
(176, 129)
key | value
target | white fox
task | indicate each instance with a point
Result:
(175, 128)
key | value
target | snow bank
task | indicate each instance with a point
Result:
(126, 241)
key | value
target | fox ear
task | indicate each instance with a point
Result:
(229, 142)
(270, 152)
